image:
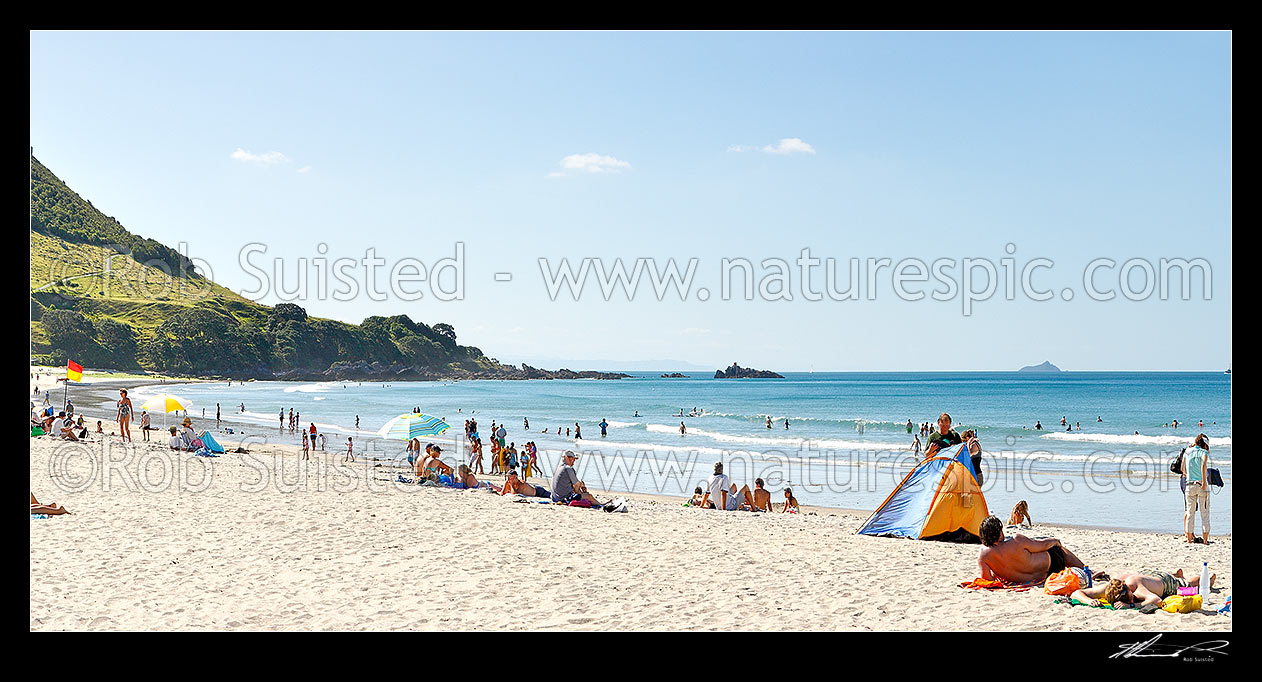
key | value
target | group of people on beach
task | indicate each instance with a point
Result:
(1019, 560)
(719, 492)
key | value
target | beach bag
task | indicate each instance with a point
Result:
(1215, 478)
(1181, 604)
(1176, 464)
(1066, 581)
(37, 431)
(581, 503)
(619, 506)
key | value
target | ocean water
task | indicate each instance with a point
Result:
(847, 443)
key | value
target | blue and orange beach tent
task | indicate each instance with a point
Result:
(939, 499)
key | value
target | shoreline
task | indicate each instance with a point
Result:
(101, 388)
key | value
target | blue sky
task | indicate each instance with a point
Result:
(1070, 146)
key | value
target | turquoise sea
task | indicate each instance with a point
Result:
(847, 443)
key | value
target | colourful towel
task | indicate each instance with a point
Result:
(1070, 601)
(983, 584)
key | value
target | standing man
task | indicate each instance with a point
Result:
(944, 437)
(604, 425)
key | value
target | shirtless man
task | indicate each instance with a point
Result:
(1144, 590)
(762, 497)
(514, 485)
(1019, 559)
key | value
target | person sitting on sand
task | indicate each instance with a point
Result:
(63, 428)
(762, 496)
(513, 485)
(1148, 588)
(790, 502)
(1020, 515)
(742, 500)
(51, 508)
(695, 500)
(566, 486)
(1019, 559)
(175, 442)
(431, 466)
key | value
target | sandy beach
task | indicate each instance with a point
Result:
(161, 541)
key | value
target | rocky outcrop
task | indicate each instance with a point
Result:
(1045, 367)
(738, 372)
(674, 375)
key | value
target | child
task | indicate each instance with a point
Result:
(790, 502)
(321, 441)
(1020, 513)
(350, 450)
(697, 496)
(305, 451)
(98, 427)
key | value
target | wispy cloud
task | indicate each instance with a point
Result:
(589, 163)
(305, 169)
(786, 146)
(264, 159)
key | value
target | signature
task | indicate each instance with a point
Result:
(1151, 649)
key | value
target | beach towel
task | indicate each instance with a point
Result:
(203, 452)
(1226, 609)
(38, 516)
(983, 584)
(1070, 601)
(211, 444)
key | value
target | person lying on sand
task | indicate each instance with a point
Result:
(1019, 559)
(1020, 514)
(695, 500)
(1144, 589)
(513, 485)
(51, 509)
(465, 477)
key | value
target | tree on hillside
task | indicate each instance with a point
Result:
(445, 330)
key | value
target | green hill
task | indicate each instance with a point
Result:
(107, 298)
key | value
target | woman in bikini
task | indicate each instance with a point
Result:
(124, 415)
(1020, 514)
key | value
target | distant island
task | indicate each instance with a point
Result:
(738, 372)
(674, 375)
(1045, 367)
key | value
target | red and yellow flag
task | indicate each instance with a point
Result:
(74, 371)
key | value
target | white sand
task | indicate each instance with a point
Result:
(340, 549)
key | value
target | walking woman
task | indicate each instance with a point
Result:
(1196, 468)
(124, 415)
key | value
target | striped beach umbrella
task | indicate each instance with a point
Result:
(414, 425)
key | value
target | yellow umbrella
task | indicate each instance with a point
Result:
(166, 403)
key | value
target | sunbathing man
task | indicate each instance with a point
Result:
(1148, 588)
(513, 485)
(1019, 559)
